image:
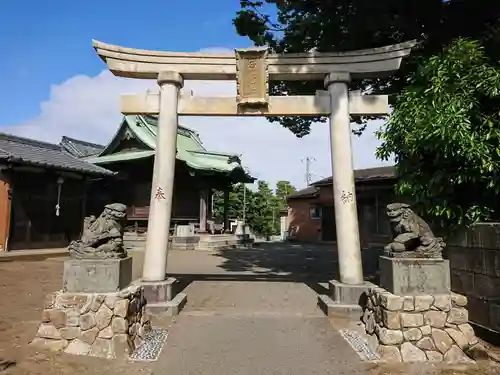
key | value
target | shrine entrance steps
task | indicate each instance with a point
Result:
(214, 242)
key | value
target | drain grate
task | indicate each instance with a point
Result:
(152, 346)
(359, 345)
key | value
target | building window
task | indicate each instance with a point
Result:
(315, 212)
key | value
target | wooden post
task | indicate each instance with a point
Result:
(203, 210)
(210, 204)
(5, 210)
(226, 209)
(84, 203)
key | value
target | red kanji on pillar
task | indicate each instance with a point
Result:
(160, 194)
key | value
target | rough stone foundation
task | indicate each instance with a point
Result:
(419, 328)
(108, 325)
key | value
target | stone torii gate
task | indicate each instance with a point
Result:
(253, 69)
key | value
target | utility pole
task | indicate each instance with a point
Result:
(244, 202)
(308, 176)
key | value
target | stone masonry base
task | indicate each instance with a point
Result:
(419, 328)
(344, 299)
(107, 325)
(163, 296)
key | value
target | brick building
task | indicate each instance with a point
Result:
(311, 216)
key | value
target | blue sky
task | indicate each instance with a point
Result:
(46, 42)
(53, 83)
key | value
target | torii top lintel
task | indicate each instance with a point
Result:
(146, 64)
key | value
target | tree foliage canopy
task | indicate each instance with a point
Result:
(341, 25)
(445, 135)
(263, 207)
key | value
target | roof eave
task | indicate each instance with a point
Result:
(13, 159)
(305, 196)
(357, 181)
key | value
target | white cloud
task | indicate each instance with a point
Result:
(88, 108)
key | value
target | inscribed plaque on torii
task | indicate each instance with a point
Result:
(252, 77)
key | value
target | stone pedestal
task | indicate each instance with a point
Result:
(344, 299)
(416, 328)
(415, 317)
(159, 291)
(163, 297)
(413, 276)
(185, 243)
(184, 231)
(240, 228)
(97, 276)
(107, 325)
(348, 294)
(98, 312)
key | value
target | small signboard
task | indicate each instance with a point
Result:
(252, 77)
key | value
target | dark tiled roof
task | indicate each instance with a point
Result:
(308, 192)
(80, 148)
(363, 175)
(21, 150)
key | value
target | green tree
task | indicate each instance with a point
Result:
(284, 189)
(262, 209)
(235, 204)
(341, 25)
(444, 133)
(262, 216)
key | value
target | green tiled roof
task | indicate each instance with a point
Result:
(189, 147)
(206, 160)
(119, 157)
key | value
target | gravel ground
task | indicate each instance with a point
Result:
(23, 286)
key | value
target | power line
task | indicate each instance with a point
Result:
(308, 176)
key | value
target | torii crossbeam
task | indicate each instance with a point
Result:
(253, 69)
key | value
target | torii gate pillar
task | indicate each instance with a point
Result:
(160, 207)
(253, 69)
(344, 192)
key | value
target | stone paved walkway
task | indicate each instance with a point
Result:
(239, 326)
(254, 328)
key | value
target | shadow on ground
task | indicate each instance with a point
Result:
(319, 262)
(284, 262)
(4, 364)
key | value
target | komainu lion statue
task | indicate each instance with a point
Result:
(102, 238)
(413, 238)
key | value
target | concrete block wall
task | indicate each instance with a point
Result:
(474, 257)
